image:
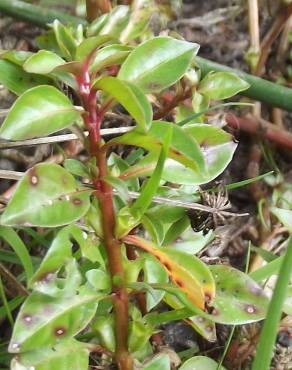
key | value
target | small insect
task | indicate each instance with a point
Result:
(203, 221)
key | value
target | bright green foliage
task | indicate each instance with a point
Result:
(43, 62)
(40, 111)
(111, 54)
(157, 63)
(239, 300)
(15, 79)
(67, 355)
(46, 196)
(160, 362)
(221, 85)
(200, 363)
(130, 97)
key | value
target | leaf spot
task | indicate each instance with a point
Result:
(15, 346)
(179, 283)
(215, 312)
(77, 202)
(27, 319)
(84, 235)
(34, 180)
(250, 309)
(167, 266)
(60, 331)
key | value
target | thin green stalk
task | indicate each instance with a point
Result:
(35, 14)
(5, 303)
(268, 270)
(269, 332)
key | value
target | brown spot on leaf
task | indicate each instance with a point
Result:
(60, 331)
(215, 312)
(33, 178)
(77, 201)
(167, 266)
(27, 318)
(249, 308)
(179, 283)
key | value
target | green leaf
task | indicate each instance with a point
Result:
(155, 228)
(218, 148)
(11, 237)
(15, 79)
(99, 279)
(65, 40)
(109, 55)
(200, 363)
(43, 62)
(153, 273)
(95, 27)
(192, 242)
(103, 326)
(221, 85)
(15, 56)
(67, 355)
(60, 251)
(46, 196)
(284, 215)
(239, 300)
(116, 21)
(43, 319)
(158, 63)
(217, 151)
(89, 45)
(141, 12)
(183, 148)
(76, 167)
(139, 335)
(40, 111)
(149, 189)
(130, 97)
(159, 362)
(188, 272)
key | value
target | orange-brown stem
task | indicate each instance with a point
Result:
(104, 194)
(96, 7)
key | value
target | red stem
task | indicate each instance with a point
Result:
(104, 194)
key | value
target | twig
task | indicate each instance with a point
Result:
(60, 138)
(12, 281)
(215, 16)
(14, 175)
(262, 128)
(273, 33)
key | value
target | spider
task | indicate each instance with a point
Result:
(219, 201)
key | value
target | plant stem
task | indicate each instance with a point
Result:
(94, 7)
(269, 332)
(35, 14)
(104, 194)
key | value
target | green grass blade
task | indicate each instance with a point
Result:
(13, 304)
(218, 106)
(5, 303)
(11, 237)
(268, 270)
(149, 190)
(269, 332)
